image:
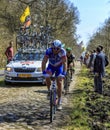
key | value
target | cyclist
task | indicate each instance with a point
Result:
(70, 61)
(56, 55)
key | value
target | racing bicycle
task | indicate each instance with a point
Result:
(53, 97)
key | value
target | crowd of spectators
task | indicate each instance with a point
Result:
(96, 60)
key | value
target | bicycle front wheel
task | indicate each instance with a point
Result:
(51, 106)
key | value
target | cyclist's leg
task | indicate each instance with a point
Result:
(49, 72)
(59, 88)
(59, 71)
(71, 70)
(48, 83)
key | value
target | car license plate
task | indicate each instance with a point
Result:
(24, 75)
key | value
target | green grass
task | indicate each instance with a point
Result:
(79, 115)
(88, 106)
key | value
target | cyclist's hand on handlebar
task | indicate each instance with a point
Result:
(45, 74)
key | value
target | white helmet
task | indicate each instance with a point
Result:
(57, 43)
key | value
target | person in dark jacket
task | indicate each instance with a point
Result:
(9, 52)
(106, 58)
(99, 71)
(91, 61)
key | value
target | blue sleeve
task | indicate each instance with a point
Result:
(48, 51)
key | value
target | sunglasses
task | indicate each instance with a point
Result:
(56, 48)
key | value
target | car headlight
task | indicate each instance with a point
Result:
(9, 69)
(39, 69)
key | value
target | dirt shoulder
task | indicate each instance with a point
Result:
(25, 107)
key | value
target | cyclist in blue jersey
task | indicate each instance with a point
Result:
(57, 63)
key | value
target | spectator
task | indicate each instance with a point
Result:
(9, 52)
(81, 60)
(99, 71)
(86, 58)
(106, 58)
(91, 61)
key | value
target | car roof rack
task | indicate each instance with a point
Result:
(30, 37)
(31, 50)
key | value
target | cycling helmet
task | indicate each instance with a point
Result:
(57, 43)
(68, 49)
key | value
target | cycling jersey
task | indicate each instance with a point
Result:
(70, 59)
(55, 60)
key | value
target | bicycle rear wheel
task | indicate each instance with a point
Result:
(67, 82)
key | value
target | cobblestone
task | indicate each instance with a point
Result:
(25, 107)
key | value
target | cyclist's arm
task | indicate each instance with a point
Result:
(44, 61)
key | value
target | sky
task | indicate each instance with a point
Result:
(92, 15)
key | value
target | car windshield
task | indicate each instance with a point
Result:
(28, 56)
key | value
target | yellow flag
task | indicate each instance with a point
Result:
(25, 14)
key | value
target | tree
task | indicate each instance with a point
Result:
(63, 17)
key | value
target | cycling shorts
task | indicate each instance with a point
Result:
(57, 70)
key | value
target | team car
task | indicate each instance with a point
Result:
(25, 67)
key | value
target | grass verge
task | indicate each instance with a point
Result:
(90, 110)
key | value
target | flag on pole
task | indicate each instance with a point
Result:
(25, 14)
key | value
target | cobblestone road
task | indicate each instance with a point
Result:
(25, 107)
